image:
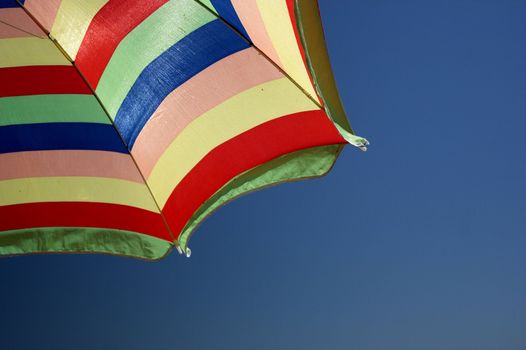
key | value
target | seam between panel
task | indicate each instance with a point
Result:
(261, 53)
(349, 136)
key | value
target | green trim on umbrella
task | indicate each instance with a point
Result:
(313, 41)
(308, 163)
(83, 240)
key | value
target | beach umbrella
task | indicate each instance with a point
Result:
(124, 123)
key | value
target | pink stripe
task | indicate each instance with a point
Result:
(44, 11)
(214, 85)
(248, 13)
(68, 163)
(15, 23)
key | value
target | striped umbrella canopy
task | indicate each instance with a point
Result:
(124, 123)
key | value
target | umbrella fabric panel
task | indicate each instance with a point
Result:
(44, 12)
(152, 38)
(201, 48)
(197, 105)
(184, 90)
(67, 181)
(210, 88)
(290, 33)
(241, 113)
(298, 19)
(72, 21)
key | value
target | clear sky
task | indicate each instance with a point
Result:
(419, 243)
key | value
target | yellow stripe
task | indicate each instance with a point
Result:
(76, 189)
(238, 114)
(72, 21)
(275, 15)
(30, 51)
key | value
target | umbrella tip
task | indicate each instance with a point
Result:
(363, 144)
(179, 250)
(188, 252)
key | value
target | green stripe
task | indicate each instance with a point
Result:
(308, 163)
(51, 108)
(82, 240)
(169, 24)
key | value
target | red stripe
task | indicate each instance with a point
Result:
(244, 152)
(109, 26)
(292, 14)
(38, 80)
(82, 214)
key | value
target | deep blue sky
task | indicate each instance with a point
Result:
(419, 243)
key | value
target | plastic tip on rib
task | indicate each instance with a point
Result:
(364, 145)
(360, 142)
(179, 250)
(188, 252)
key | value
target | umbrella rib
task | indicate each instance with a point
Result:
(20, 29)
(260, 52)
(346, 131)
(59, 47)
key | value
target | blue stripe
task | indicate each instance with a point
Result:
(226, 11)
(58, 136)
(10, 3)
(198, 50)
